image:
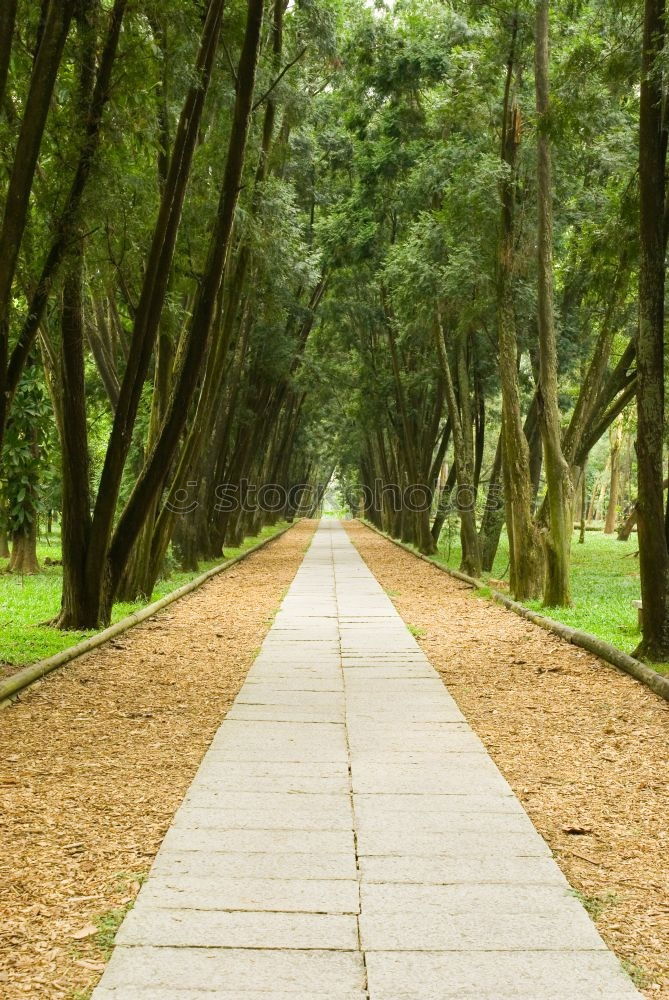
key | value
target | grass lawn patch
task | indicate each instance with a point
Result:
(27, 602)
(605, 581)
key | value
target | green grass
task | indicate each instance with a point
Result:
(26, 603)
(605, 581)
(417, 632)
(639, 976)
(595, 905)
(109, 922)
(107, 925)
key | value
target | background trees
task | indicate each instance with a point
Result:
(258, 242)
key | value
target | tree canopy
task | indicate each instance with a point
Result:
(249, 246)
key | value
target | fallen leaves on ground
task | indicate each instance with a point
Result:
(97, 758)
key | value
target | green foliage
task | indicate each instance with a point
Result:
(25, 456)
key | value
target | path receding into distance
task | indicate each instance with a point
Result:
(347, 835)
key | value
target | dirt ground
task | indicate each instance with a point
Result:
(96, 759)
(583, 746)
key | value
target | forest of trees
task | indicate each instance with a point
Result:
(417, 245)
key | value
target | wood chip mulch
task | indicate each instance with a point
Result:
(583, 746)
(96, 759)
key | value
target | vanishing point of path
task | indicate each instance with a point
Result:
(347, 835)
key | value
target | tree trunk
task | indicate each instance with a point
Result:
(526, 555)
(627, 527)
(492, 521)
(144, 565)
(461, 424)
(583, 504)
(415, 526)
(653, 552)
(557, 538)
(444, 505)
(147, 320)
(79, 607)
(98, 586)
(151, 478)
(616, 436)
(23, 560)
(7, 19)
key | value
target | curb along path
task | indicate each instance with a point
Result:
(347, 835)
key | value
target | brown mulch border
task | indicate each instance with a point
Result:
(16, 679)
(602, 649)
(583, 746)
(96, 759)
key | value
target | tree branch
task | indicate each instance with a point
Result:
(279, 78)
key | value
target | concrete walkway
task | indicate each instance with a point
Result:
(348, 837)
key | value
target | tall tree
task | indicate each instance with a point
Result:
(527, 564)
(654, 552)
(557, 538)
(87, 597)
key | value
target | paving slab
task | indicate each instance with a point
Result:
(260, 841)
(277, 695)
(347, 836)
(496, 975)
(404, 824)
(335, 805)
(454, 899)
(278, 781)
(328, 973)
(218, 865)
(210, 770)
(488, 931)
(183, 892)
(457, 805)
(239, 929)
(287, 713)
(460, 773)
(440, 870)
(297, 817)
(165, 993)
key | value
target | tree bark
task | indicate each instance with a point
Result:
(7, 20)
(461, 424)
(79, 606)
(4, 543)
(558, 536)
(653, 552)
(23, 559)
(616, 436)
(583, 505)
(526, 555)
(492, 521)
(627, 527)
